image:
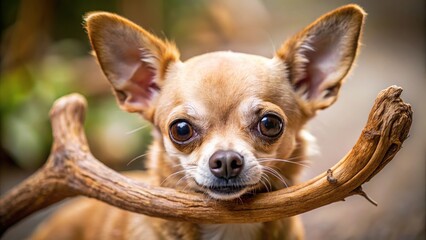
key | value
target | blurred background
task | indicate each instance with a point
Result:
(45, 55)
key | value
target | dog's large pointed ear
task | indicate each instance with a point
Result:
(134, 61)
(319, 57)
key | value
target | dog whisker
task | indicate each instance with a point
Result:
(188, 183)
(181, 180)
(172, 175)
(136, 129)
(144, 155)
(265, 181)
(136, 158)
(301, 163)
(275, 173)
(288, 159)
(240, 199)
(207, 197)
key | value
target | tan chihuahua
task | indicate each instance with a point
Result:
(225, 124)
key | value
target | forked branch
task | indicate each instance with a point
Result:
(71, 170)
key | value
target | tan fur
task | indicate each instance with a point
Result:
(223, 95)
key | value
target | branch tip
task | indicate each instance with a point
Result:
(360, 191)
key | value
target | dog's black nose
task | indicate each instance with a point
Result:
(226, 164)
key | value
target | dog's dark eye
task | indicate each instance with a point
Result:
(181, 131)
(270, 126)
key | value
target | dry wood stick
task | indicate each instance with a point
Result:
(71, 170)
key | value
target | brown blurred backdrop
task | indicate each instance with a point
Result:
(45, 54)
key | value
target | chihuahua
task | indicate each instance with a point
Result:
(225, 124)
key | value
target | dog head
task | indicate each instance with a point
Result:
(227, 118)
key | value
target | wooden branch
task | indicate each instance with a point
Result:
(71, 170)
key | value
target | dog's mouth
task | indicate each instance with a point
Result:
(226, 189)
(226, 192)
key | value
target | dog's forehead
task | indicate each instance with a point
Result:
(227, 68)
(226, 78)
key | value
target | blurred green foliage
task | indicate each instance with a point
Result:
(26, 95)
(67, 15)
(28, 90)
